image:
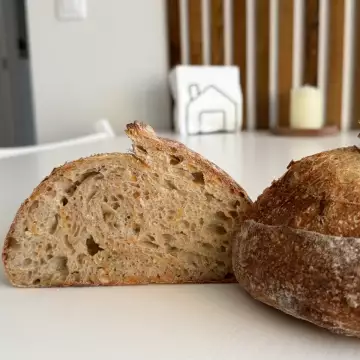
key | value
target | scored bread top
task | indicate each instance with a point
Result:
(319, 193)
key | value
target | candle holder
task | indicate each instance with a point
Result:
(306, 114)
(288, 131)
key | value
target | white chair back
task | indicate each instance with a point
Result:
(103, 130)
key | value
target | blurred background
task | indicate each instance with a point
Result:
(65, 64)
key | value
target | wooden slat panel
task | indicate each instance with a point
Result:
(311, 42)
(173, 24)
(239, 46)
(217, 32)
(262, 63)
(286, 22)
(356, 91)
(335, 62)
(174, 39)
(195, 33)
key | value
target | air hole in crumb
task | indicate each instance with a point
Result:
(201, 221)
(60, 264)
(235, 204)
(198, 178)
(150, 244)
(233, 214)
(81, 259)
(136, 195)
(49, 256)
(34, 206)
(107, 215)
(193, 259)
(27, 262)
(64, 201)
(168, 238)
(221, 215)
(185, 223)
(220, 263)
(76, 276)
(54, 224)
(175, 160)
(115, 206)
(106, 199)
(171, 249)
(218, 229)
(222, 248)
(36, 282)
(170, 185)
(136, 228)
(13, 243)
(48, 248)
(209, 197)
(92, 247)
(120, 197)
(141, 148)
(207, 246)
(42, 262)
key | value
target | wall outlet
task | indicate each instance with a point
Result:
(71, 10)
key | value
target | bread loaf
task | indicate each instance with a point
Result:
(162, 214)
(299, 248)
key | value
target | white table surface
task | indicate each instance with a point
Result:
(160, 321)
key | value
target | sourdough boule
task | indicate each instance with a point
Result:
(299, 249)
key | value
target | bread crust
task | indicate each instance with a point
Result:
(299, 250)
(141, 134)
(308, 275)
(318, 193)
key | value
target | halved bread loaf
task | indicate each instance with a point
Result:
(299, 250)
(162, 214)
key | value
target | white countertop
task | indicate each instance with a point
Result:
(202, 322)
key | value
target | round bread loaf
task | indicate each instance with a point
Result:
(299, 249)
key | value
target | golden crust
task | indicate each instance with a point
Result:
(299, 250)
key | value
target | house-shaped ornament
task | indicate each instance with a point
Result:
(207, 99)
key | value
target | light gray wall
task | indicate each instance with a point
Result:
(17, 127)
(113, 64)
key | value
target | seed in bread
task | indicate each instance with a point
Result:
(162, 214)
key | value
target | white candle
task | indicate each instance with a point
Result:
(306, 108)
